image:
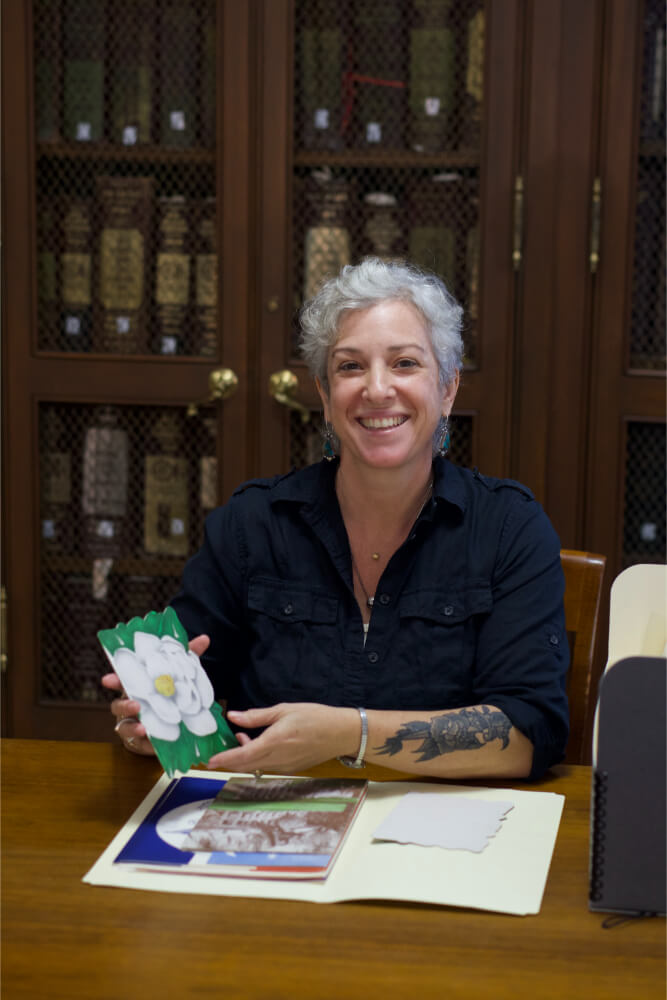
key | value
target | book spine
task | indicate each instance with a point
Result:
(166, 515)
(382, 227)
(104, 491)
(208, 465)
(172, 277)
(83, 83)
(47, 276)
(380, 76)
(431, 76)
(653, 78)
(76, 274)
(124, 206)
(209, 77)
(48, 70)
(432, 241)
(321, 64)
(327, 239)
(88, 606)
(206, 278)
(55, 486)
(473, 99)
(133, 74)
(179, 66)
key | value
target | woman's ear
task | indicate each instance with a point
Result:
(449, 394)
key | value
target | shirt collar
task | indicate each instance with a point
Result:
(316, 482)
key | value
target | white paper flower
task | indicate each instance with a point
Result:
(169, 683)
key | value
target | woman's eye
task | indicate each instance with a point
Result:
(348, 366)
(406, 363)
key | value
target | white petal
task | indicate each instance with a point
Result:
(166, 708)
(204, 687)
(157, 727)
(186, 697)
(145, 643)
(158, 664)
(178, 656)
(201, 724)
(132, 673)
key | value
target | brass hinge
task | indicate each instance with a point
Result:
(3, 630)
(517, 248)
(594, 256)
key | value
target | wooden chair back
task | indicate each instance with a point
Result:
(583, 589)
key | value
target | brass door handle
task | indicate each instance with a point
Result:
(222, 383)
(283, 386)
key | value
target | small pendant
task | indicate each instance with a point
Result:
(375, 555)
(370, 602)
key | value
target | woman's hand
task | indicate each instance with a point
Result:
(131, 732)
(297, 736)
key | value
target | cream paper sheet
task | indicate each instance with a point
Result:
(509, 876)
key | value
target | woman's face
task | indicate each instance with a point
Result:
(385, 397)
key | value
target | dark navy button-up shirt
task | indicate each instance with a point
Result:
(469, 612)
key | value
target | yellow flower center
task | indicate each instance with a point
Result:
(164, 684)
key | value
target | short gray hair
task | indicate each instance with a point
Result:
(360, 286)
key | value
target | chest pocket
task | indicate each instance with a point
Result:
(438, 641)
(292, 641)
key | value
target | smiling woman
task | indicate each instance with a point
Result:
(382, 603)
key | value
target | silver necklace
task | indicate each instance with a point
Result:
(370, 598)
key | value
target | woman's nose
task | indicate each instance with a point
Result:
(379, 383)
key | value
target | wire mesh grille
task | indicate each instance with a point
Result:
(306, 440)
(125, 130)
(647, 336)
(124, 492)
(388, 115)
(645, 478)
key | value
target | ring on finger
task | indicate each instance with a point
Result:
(130, 742)
(126, 718)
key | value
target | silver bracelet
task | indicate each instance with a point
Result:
(359, 761)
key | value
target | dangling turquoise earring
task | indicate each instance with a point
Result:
(328, 451)
(443, 447)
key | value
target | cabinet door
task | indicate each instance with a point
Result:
(126, 220)
(389, 128)
(626, 509)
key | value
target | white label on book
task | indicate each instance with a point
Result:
(48, 529)
(322, 118)
(432, 106)
(177, 121)
(168, 345)
(130, 135)
(177, 526)
(122, 324)
(72, 326)
(373, 132)
(105, 529)
(84, 131)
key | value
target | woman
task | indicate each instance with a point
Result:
(385, 605)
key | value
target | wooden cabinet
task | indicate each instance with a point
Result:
(517, 148)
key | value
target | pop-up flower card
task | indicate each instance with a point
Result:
(151, 657)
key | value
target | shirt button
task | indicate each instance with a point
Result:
(448, 610)
(553, 639)
(288, 609)
(384, 598)
(373, 657)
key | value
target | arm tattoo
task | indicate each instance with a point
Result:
(465, 729)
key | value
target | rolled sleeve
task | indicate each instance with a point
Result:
(522, 654)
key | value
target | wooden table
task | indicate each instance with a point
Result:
(63, 803)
